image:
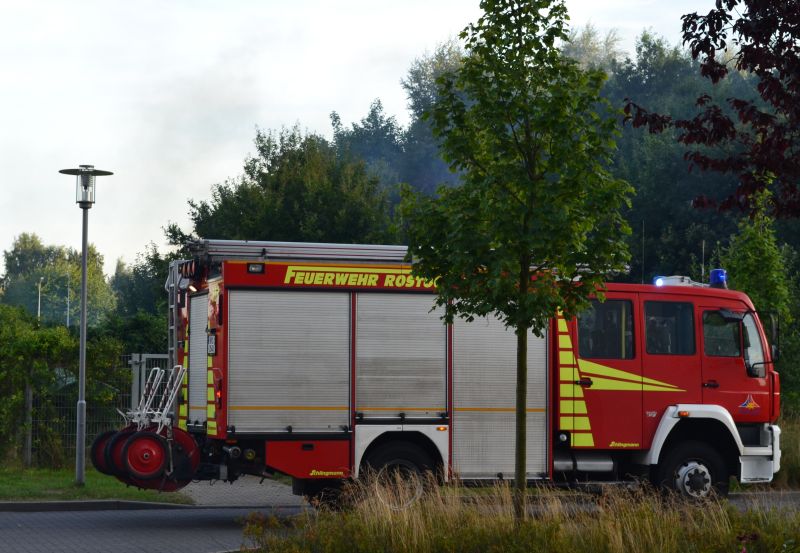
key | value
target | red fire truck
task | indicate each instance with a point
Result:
(319, 360)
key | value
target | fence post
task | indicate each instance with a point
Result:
(136, 378)
(27, 454)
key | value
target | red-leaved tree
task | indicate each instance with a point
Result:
(756, 139)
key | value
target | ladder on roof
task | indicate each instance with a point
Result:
(218, 250)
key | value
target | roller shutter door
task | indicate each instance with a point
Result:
(198, 359)
(401, 361)
(484, 396)
(288, 361)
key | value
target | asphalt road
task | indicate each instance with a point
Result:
(205, 530)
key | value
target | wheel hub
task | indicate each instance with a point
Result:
(694, 479)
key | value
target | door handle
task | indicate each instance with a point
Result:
(711, 384)
(585, 382)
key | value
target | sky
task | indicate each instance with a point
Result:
(168, 94)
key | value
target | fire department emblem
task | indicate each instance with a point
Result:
(749, 405)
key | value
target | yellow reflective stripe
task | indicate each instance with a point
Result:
(182, 424)
(581, 440)
(570, 390)
(569, 407)
(574, 423)
(498, 409)
(211, 412)
(211, 427)
(562, 325)
(287, 408)
(566, 357)
(564, 342)
(182, 411)
(209, 362)
(209, 374)
(568, 374)
(210, 394)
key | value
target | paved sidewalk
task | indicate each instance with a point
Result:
(244, 492)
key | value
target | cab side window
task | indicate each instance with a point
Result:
(605, 330)
(669, 328)
(721, 337)
(753, 352)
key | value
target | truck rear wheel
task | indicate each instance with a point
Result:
(400, 472)
(695, 470)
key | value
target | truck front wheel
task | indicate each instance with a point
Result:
(693, 469)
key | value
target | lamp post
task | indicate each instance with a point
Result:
(39, 301)
(84, 197)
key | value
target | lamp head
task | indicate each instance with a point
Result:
(85, 183)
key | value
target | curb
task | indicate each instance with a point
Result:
(118, 505)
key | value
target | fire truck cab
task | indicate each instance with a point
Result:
(320, 360)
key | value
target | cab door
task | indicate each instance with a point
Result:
(607, 402)
(670, 357)
(734, 373)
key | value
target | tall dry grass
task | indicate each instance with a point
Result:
(789, 475)
(379, 518)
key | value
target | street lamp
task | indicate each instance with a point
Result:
(39, 302)
(84, 197)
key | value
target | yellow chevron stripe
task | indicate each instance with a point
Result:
(590, 368)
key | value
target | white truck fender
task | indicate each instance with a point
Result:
(695, 411)
(365, 434)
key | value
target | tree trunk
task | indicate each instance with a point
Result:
(520, 474)
(520, 478)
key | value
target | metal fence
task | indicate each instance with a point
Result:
(54, 411)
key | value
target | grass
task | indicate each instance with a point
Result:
(17, 484)
(789, 475)
(619, 521)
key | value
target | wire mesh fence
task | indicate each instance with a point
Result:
(54, 424)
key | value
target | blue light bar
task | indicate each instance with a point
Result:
(718, 278)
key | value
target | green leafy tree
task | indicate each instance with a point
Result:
(29, 355)
(759, 267)
(754, 262)
(377, 140)
(535, 228)
(590, 50)
(140, 319)
(422, 165)
(30, 263)
(296, 187)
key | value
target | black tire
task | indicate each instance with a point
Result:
(397, 465)
(113, 453)
(98, 452)
(403, 455)
(694, 470)
(323, 493)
